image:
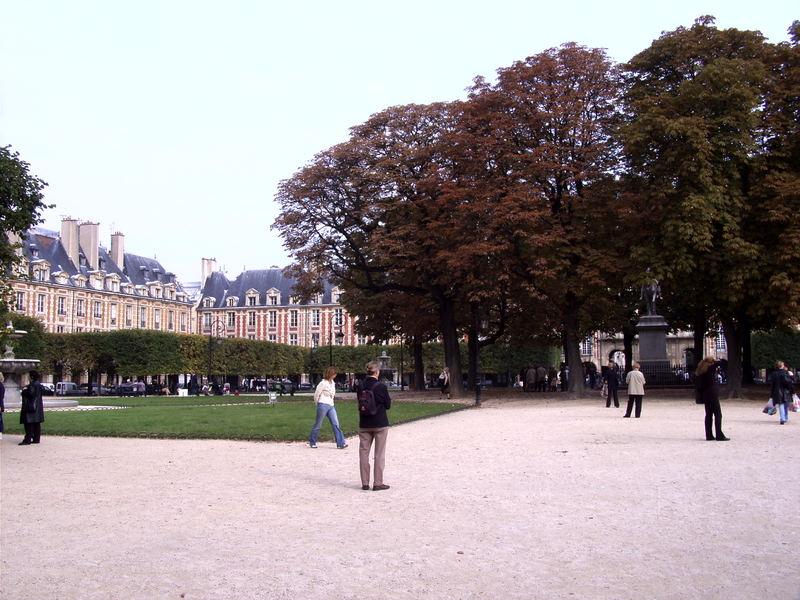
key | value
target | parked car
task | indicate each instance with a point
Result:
(304, 387)
(127, 389)
(68, 388)
(48, 389)
(97, 390)
(275, 386)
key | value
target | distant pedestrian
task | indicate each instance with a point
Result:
(373, 429)
(31, 414)
(541, 379)
(2, 403)
(782, 389)
(552, 379)
(563, 376)
(612, 384)
(444, 384)
(635, 382)
(323, 399)
(708, 384)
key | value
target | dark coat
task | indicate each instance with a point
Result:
(382, 401)
(33, 394)
(709, 384)
(2, 396)
(782, 386)
(612, 379)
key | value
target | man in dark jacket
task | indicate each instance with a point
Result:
(373, 428)
(32, 410)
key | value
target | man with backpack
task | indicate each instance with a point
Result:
(373, 426)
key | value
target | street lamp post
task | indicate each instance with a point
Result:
(339, 338)
(402, 383)
(215, 330)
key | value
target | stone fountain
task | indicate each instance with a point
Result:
(15, 370)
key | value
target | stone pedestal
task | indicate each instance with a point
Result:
(656, 367)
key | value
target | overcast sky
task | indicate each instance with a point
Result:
(173, 121)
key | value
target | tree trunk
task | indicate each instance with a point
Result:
(733, 339)
(452, 353)
(419, 366)
(628, 335)
(572, 354)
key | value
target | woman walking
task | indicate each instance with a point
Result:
(635, 382)
(708, 384)
(323, 398)
(782, 389)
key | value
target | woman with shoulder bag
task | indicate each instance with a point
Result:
(782, 389)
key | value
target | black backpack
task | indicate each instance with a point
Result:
(366, 402)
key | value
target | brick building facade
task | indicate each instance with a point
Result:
(260, 305)
(71, 283)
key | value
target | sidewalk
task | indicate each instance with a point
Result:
(540, 498)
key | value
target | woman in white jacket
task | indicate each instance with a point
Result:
(323, 398)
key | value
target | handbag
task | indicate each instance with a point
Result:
(604, 390)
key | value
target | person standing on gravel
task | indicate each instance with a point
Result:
(635, 381)
(373, 428)
(31, 414)
(708, 382)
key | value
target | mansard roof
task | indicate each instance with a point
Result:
(219, 287)
(138, 270)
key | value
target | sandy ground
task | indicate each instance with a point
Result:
(526, 499)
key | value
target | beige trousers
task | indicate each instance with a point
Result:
(365, 439)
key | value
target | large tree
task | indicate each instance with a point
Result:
(695, 102)
(544, 158)
(370, 215)
(21, 202)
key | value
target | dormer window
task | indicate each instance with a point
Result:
(273, 297)
(208, 302)
(34, 251)
(232, 301)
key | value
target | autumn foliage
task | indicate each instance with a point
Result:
(530, 210)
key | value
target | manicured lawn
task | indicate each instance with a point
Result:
(150, 417)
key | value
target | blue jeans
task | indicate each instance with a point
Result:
(783, 410)
(328, 410)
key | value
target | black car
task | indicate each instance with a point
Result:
(304, 387)
(97, 390)
(275, 386)
(127, 389)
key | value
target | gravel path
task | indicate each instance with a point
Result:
(529, 499)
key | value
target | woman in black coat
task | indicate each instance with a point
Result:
(2, 402)
(612, 383)
(709, 388)
(31, 413)
(782, 389)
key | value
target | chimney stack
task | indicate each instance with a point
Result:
(209, 265)
(118, 250)
(69, 239)
(89, 234)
